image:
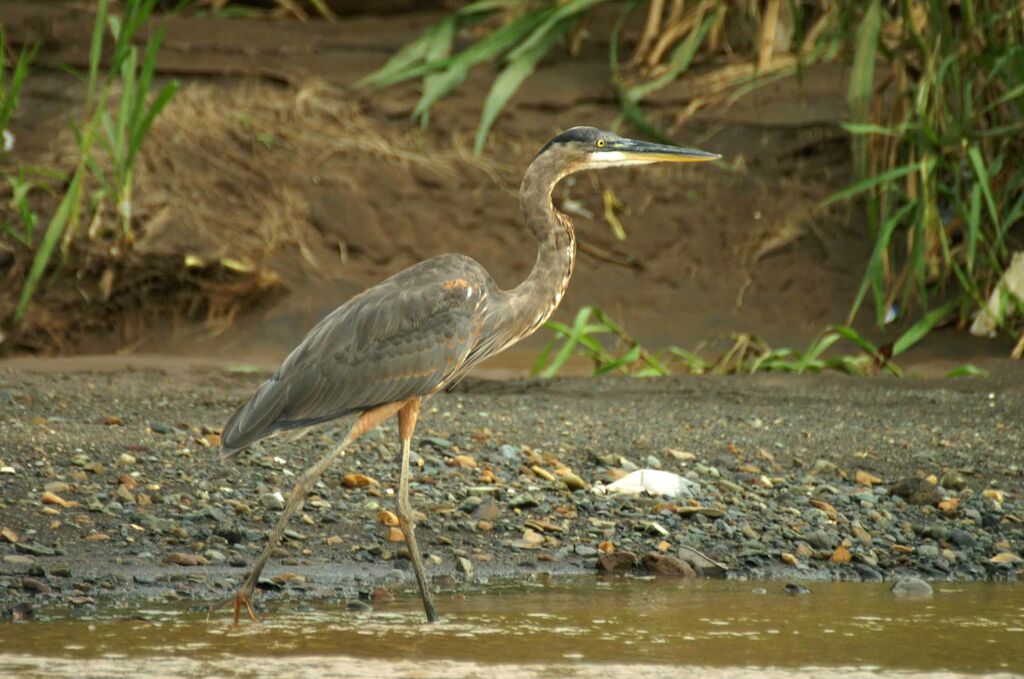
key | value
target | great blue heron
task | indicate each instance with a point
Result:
(423, 329)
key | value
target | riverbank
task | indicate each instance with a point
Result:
(112, 489)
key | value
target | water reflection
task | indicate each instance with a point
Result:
(618, 628)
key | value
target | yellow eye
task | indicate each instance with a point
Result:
(600, 143)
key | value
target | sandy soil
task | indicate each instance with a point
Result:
(269, 158)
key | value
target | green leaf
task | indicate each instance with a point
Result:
(924, 326)
(967, 370)
(509, 80)
(862, 76)
(870, 183)
(974, 153)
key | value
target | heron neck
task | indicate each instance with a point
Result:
(536, 298)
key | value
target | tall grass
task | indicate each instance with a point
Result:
(105, 138)
(936, 101)
(938, 138)
(517, 35)
(10, 89)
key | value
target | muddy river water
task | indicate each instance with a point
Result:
(563, 627)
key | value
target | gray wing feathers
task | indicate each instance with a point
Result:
(402, 338)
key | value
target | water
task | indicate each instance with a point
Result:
(579, 627)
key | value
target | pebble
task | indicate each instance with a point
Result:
(273, 501)
(867, 573)
(523, 501)
(911, 587)
(617, 563)
(464, 566)
(953, 480)
(794, 589)
(214, 556)
(665, 564)
(917, 491)
(962, 538)
(487, 510)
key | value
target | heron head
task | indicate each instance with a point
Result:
(585, 148)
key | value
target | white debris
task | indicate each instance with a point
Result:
(8, 141)
(653, 482)
(1012, 283)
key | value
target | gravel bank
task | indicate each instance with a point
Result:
(111, 489)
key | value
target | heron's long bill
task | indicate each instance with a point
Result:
(634, 152)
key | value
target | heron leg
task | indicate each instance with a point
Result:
(305, 482)
(406, 425)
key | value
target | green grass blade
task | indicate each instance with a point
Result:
(981, 172)
(870, 183)
(967, 370)
(562, 12)
(924, 326)
(52, 237)
(96, 49)
(862, 77)
(405, 62)
(11, 91)
(873, 274)
(509, 81)
(160, 101)
(490, 48)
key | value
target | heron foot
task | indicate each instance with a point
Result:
(240, 600)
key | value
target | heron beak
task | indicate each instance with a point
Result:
(635, 152)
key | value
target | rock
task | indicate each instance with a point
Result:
(961, 538)
(953, 480)
(464, 566)
(34, 548)
(36, 585)
(358, 481)
(702, 563)
(185, 559)
(488, 510)
(381, 595)
(20, 612)
(126, 459)
(49, 498)
(841, 555)
(1006, 559)
(867, 573)
(664, 564)
(794, 589)
(653, 462)
(822, 467)
(911, 587)
(917, 491)
(18, 560)
(571, 481)
(616, 563)
(273, 501)
(585, 550)
(213, 556)
(523, 501)
(358, 606)
(160, 428)
(823, 539)
(928, 551)
(866, 478)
